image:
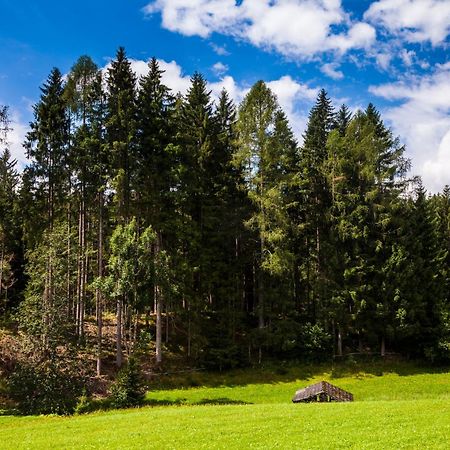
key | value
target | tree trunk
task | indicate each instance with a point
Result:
(158, 325)
(339, 341)
(98, 294)
(158, 304)
(119, 331)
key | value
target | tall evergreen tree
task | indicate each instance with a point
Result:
(155, 169)
(120, 133)
(10, 232)
(121, 127)
(315, 199)
(265, 145)
(47, 146)
(343, 117)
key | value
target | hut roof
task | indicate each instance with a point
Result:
(322, 391)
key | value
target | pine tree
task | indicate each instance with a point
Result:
(265, 146)
(131, 267)
(366, 224)
(224, 243)
(120, 133)
(315, 199)
(47, 147)
(80, 93)
(422, 284)
(154, 169)
(89, 165)
(4, 124)
(121, 127)
(196, 141)
(10, 242)
(343, 117)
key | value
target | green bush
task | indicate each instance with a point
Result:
(128, 389)
(47, 387)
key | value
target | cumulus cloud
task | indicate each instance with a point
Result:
(413, 20)
(383, 60)
(294, 97)
(221, 50)
(295, 28)
(173, 76)
(16, 138)
(219, 68)
(330, 70)
(408, 57)
(422, 119)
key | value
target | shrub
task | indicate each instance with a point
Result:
(47, 387)
(128, 390)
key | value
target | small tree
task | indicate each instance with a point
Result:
(128, 388)
(131, 267)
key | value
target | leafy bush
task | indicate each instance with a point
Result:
(128, 390)
(47, 387)
(316, 343)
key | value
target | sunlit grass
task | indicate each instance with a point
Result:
(403, 408)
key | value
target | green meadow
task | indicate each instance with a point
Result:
(401, 407)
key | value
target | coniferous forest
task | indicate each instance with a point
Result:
(163, 226)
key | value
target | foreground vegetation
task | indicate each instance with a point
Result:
(399, 406)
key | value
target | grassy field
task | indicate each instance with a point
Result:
(402, 407)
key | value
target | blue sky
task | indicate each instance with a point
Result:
(393, 53)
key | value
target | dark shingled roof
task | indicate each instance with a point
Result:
(322, 392)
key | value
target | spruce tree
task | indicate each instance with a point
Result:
(10, 232)
(121, 127)
(154, 162)
(80, 94)
(343, 117)
(265, 145)
(47, 147)
(315, 199)
(120, 138)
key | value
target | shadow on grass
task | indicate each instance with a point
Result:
(286, 372)
(184, 402)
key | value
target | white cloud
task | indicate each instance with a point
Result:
(172, 73)
(422, 119)
(219, 49)
(235, 91)
(330, 69)
(383, 60)
(16, 138)
(173, 76)
(414, 20)
(219, 68)
(293, 96)
(295, 28)
(438, 168)
(408, 57)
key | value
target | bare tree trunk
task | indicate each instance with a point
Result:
(158, 301)
(119, 331)
(79, 272)
(70, 300)
(1, 266)
(98, 294)
(158, 325)
(189, 331)
(167, 323)
(339, 341)
(383, 346)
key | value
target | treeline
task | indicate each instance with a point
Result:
(204, 229)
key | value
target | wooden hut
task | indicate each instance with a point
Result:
(322, 392)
